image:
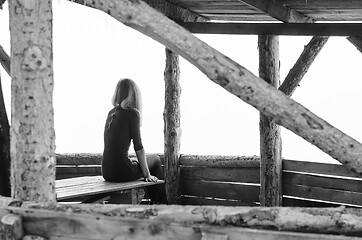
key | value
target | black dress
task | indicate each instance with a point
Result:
(122, 127)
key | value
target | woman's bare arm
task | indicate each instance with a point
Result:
(141, 156)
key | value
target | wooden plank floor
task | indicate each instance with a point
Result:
(93, 185)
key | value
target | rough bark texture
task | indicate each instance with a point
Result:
(99, 221)
(172, 128)
(236, 79)
(270, 139)
(32, 127)
(4, 148)
(11, 227)
(302, 65)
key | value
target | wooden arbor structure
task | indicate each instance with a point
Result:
(32, 134)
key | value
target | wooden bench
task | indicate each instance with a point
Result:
(94, 189)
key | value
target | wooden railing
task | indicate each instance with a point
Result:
(234, 180)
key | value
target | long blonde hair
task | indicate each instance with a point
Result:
(127, 95)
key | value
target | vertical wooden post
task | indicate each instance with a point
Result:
(270, 140)
(4, 148)
(172, 130)
(32, 127)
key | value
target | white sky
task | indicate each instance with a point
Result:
(92, 51)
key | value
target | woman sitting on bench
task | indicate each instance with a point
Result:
(123, 125)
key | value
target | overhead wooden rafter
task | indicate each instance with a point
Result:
(289, 29)
(175, 12)
(357, 42)
(277, 11)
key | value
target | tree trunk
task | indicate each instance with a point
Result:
(32, 127)
(236, 79)
(270, 139)
(4, 148)
(172, 127)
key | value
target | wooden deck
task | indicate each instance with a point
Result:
(225, 180)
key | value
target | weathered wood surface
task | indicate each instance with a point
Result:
(11, 227)
(328, 182)
(32, 127)
(324, 194)
(70, 171)
(172, 127)
(279, 11)
(79, 158)
(300, 68)
(5, 189)
(99, 221)
(74, 188)
(247, 193)
(5, 60)
(288, 29)
(319, 168)
(322, 181)
(195, 200)
(270, 139)
(222, 174)
(220, 161)
(356, 41)
(236, 79)
(175, 12)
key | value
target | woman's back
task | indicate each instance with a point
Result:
(122, 126)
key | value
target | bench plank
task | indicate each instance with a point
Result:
(72, 188)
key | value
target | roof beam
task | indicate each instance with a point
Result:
(302, 65)
(357, 42)
(292, 29)
(174, 11)
(278, 11)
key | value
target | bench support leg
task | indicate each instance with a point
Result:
(133, 196)
(137, 195)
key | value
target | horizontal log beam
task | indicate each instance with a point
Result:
(90, 221)
(291, 29)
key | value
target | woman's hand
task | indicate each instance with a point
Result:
(151, 178)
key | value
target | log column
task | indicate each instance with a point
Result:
(270, 140)
(172, 130)
(32, 127)
(171, 115)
